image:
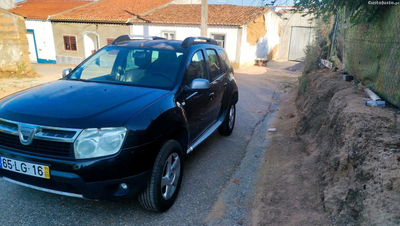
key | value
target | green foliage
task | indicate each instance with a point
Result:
(314, 53)
(310, 63)
(357, 10)
(312, 58)
(303, 83)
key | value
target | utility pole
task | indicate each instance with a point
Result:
(204, 18)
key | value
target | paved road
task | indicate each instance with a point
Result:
(210, 172)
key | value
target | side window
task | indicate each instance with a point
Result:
(213, 61)
(196, 68)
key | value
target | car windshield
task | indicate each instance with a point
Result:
(156, 68)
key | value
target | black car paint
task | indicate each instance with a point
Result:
(151, 116)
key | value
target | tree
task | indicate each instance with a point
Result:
(357, 10)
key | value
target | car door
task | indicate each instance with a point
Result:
(218, 82)
(197, 104)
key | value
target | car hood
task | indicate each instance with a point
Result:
(78, 104)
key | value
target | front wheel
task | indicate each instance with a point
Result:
(163, 186)
(228, 124)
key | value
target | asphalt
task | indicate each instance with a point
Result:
(222, 168)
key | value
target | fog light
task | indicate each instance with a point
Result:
(124, 186)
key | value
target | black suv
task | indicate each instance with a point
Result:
(120, 123)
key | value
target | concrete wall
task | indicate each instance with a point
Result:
(43, 32)
(182, 32)
(14, 50)
(267, 43)
(103, 31)
(7, 4)
(288, 21)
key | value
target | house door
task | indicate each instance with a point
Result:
(299, 39)
(32, 48)
(90, 42)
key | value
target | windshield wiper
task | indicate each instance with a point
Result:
(78, 79)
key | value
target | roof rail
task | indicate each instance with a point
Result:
(124, 38)
(193, 40)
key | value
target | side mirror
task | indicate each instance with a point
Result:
(66, 72)
(200, 84)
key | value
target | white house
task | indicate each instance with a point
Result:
(245, 32)
(39, 28)
(79, 27)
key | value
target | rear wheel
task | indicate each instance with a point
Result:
(163, 186)
(227, 126)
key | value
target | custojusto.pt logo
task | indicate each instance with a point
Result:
(383, 3)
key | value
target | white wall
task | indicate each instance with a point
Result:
(230, 39)
(265, 45)
(271, 38)
(7, 4)
(44, 39)
(182, 32)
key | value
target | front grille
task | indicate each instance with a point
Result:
(47, 141)
(37, 147)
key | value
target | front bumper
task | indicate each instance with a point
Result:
(76, 187)
(92, 179)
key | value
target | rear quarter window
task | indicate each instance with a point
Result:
(225, 63)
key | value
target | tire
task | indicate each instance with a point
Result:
(228, 124)
(160, 194)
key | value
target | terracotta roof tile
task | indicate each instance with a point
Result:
(41, 9)
(230, 15)
(110, 10)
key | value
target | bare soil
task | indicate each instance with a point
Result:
(332, 161)
(288, 192)
(11, 82)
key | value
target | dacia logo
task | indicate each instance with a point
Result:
(26, 133)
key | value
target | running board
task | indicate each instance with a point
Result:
(206, 134)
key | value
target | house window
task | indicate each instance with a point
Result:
(70, 43)
(110, 40)
(170, 35)
(220, 39)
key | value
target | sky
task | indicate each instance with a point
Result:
(250, 2)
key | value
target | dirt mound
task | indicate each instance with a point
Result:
(358, 151)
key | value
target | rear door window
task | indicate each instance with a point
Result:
(214, 64)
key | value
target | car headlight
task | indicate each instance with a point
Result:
(99, 142)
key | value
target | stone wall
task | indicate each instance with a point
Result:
(14, 48)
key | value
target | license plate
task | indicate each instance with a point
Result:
(26, 168)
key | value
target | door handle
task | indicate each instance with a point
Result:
(211, 95)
